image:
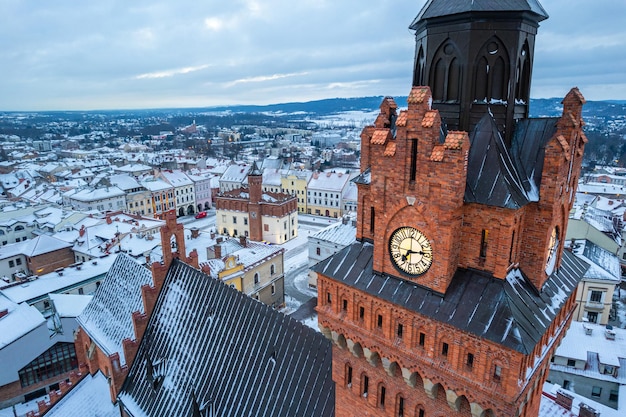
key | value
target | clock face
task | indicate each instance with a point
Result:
(410, 251)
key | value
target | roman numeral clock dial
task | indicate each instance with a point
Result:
(410, 251)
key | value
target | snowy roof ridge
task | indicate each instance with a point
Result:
(221, 345)
(107, 319)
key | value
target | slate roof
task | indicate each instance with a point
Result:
(440, 8)
(497, 176)
(208, 342)
(107, 319)
(508, 312)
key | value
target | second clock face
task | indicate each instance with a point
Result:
(410, 251)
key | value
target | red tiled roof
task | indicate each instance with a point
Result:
(429, 118)
(380, 136)
(564, 145)
(390, 150)
(418, 94)
(454, 140)
(402, 118)
(437, 155)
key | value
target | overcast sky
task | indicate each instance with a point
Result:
(115, 54)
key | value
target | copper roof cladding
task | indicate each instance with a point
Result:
(440, 8)
(208, 346)
(509, 312)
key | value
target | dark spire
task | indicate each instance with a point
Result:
(477, 56)
(441, 8)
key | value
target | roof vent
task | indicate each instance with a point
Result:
(609, 334)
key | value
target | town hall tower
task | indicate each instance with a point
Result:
(458, 290)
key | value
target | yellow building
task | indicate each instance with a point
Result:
(252, 268)
(295, 182)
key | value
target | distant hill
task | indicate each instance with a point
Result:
(544, 107)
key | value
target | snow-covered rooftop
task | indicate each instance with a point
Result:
(90, 397)
(603, 265)
(594, 349)
(70, 305)
(328, 181)
(53, 282)
(549, 407)
(339, 233)
(107, 319)
(20, 320)
(33, 247)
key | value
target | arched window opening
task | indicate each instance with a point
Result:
(498, 80)
(419, 68)
(454, 81)
(439, 80)
(482, 74)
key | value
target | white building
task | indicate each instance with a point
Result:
(99, 199)
(35, 353)
(327, 242)
(591, 361)
(235, 177)
(325, 193)
(594, 296)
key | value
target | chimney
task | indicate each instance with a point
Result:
(206, 268)
(81, 232)
(586, 411)
(564, 400)
(219, 239)
(195, 232)
(243, 241)
(345, 219)
(218, 251)
(109, 221)
(212, 235)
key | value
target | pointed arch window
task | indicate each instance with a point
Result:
(418, 76)
(523, 74)
(446, 74)
(492, 72)
(498, 80)
(482, 75)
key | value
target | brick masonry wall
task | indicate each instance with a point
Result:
(407, 368)
(48, 262)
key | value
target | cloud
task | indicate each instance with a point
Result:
(73, 55)
(263, 78)
(172, 72)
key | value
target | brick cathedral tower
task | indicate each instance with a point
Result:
(457, 291)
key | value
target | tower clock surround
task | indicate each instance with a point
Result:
(410, 251)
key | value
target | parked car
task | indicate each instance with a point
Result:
(201, 214)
